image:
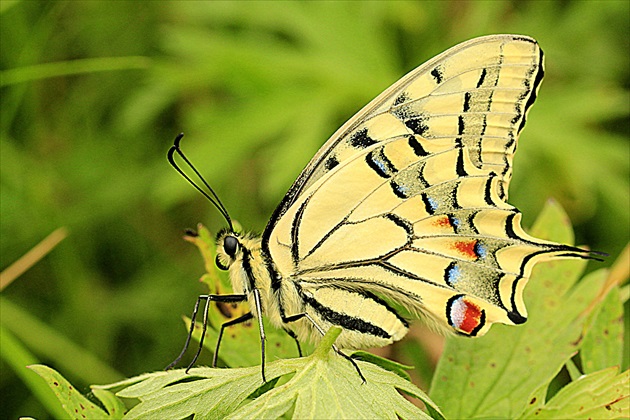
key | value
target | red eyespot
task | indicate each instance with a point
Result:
(464, 315)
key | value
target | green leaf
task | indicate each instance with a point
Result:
(112, 404)
(333, 390)
(16, 357)
(603, 343)
(599, 395)
(498, 374)
(66, 68)
(397, 368)
(76, 405)
(322, 385)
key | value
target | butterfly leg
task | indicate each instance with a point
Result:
(263, 337)
(208, 299)
(293, 318)
(240, 319)
(294, 337)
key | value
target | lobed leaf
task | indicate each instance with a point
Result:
(603, 342)
(73, 402)
(600, 395)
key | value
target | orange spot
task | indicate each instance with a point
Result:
(472, 317)
(442, 221)
(467, 248)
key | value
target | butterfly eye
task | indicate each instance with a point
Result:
(230, 245)
(220, 264)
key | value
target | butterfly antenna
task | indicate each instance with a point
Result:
(212, 197)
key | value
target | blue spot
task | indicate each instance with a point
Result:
(403, 189)
(453, 274)
(454, 221)
(433, 203)
(381, 166)
(481, 250)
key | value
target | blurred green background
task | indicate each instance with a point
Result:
(93, 93)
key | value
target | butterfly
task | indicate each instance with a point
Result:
(402, 213)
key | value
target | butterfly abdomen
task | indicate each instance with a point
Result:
(367, 320)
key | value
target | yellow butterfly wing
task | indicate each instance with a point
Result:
(407, 200)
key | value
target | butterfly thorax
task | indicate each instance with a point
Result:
(242, 255)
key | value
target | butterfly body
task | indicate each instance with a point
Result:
(403, 212)
(287, 296)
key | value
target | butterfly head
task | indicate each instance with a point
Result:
(240, 254)
(229, 249)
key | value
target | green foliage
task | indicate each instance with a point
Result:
(73, 402)
(93, 93)
(505, 374)
(598, 395)
(322, 385)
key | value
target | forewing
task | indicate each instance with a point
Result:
(477, 92)
(408, 199)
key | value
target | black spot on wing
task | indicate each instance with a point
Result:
(418, 125)
(361, 140)
(451, 274)
(511, 142)
(400, 99)
(514, 315)
(518, 112)
(482, 77)
(501, 191)
(516, 318)
(467, 96)
(482, 322)
(524, 39)
(417, 147)
(481, 249)
(437, 75)
(455, 222)
(331, 162)
(509, 227)
(484, 123)
(454, 203)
